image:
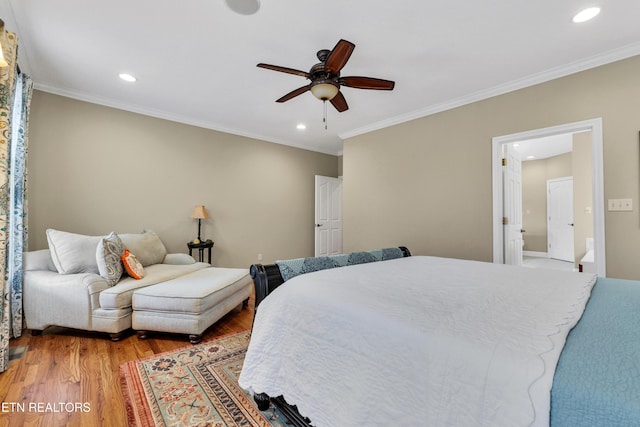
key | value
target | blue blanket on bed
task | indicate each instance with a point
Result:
(597, 380)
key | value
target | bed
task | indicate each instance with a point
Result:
(436, 341)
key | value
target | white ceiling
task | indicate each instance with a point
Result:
(196, 60)
(542, 148)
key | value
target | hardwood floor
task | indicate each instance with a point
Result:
(70, 378)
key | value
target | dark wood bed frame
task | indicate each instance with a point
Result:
(266, 278)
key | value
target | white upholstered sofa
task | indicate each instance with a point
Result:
(74, 284)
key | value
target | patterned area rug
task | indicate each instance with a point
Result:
(193, 386)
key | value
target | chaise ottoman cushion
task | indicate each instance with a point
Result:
(120, 295)
(191, 303)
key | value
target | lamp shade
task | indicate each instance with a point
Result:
(199, 212)
(324, 90)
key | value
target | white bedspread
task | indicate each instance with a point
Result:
(418, 341)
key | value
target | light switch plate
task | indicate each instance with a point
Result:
(615, 205)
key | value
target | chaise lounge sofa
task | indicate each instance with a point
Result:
(79, 283)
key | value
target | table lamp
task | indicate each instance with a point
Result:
(199, 213)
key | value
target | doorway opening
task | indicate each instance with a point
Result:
(549, 233)
(501, 231)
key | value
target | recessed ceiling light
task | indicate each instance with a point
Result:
(127, 77)
(586, 14)
(244, 7)
(531, 157)
(301, 126)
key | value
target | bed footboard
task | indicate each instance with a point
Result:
(263, 401)
(266, 278)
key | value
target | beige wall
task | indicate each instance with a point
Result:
(94, 169)
(534, 205)
(582, 192)
(427, 183)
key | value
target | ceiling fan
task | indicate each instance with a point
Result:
(325, 77)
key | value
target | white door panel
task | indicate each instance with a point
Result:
(560, 219)
(512, 190)
(328, 218)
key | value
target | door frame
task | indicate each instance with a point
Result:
(593, 125)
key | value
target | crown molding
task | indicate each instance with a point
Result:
(548, 75)
(159, 114)
(545, 76)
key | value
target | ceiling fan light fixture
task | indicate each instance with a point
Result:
(324, 90)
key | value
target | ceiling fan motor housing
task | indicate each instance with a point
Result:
(318, 71)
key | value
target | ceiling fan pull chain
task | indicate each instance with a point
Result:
(324, 117)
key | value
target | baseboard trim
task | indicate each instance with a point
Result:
(535, 254)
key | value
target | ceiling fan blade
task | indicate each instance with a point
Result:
(339, 56)
(339, 102)
(366, 83)
(294, 93)
(284, 70)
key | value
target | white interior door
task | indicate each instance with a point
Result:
(560, 219)
(328, 220)
(512, 210)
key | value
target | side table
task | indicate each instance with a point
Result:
(201, 247)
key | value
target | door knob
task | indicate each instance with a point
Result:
(318, 225)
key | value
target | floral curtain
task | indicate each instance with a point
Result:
(17, 201)
(15, 97)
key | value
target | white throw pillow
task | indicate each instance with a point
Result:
(73, 253)
(147, 247)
